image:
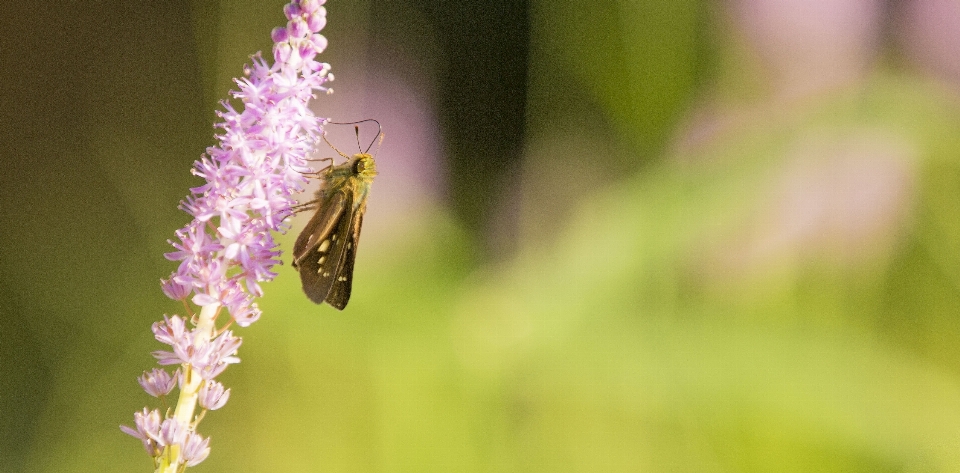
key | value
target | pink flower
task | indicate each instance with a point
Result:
(228, 249)
(158, 382)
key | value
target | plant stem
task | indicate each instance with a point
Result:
(189, 391)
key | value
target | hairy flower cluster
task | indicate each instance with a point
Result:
(227, 250)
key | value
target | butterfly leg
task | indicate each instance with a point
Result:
(334, 147)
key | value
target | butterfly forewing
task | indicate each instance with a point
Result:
(319, 227)
(323, 252)
(340, 292)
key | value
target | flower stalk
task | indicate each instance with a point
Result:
(228, 249)
(190, 385)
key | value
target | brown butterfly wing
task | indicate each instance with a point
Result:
(343, 283)
(319, 251)
(319, 227)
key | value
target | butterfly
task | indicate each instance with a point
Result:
(326, 249)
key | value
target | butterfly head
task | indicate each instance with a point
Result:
(363, 166)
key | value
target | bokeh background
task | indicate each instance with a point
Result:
(706, 236)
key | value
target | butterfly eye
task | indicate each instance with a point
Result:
(359, 166)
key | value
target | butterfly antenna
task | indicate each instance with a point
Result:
(378, 144)
(379, 135)
(357, 127)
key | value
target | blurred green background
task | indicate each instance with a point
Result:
(616, 236)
